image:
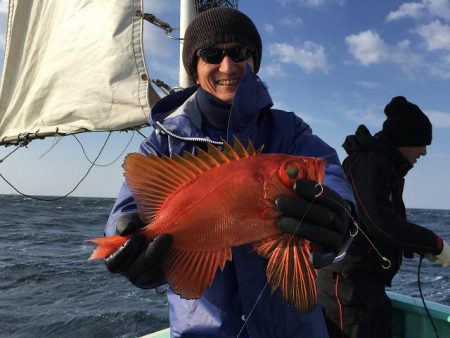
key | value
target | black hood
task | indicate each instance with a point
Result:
(363, 141)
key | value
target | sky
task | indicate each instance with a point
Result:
(335, 63)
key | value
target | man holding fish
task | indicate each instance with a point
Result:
(222, 54)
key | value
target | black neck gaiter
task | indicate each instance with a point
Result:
(214, 111)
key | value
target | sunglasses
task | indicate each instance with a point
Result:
(215, 55)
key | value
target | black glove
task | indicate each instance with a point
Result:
(323, 220)
(139, 261)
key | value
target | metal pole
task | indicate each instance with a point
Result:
(187, 14)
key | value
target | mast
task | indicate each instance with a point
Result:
(187, 14)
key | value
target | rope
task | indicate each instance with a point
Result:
(110, 163)
(162, 85)
(17, 147)
(423, 299)
(58, 139)
(67, 194)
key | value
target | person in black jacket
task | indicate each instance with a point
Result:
(352, 291)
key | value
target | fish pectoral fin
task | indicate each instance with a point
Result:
(189, 273)
(289, 269)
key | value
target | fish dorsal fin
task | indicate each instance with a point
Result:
(214, 157)
(152, 179)
(189, 273)
(240, 149)
(289, 269)
(209, 158)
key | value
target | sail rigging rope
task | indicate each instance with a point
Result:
(159, 23)
(58, 139)
(71, 191)
(17, 148)
(113, 161)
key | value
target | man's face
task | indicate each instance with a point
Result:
(222, 79)
(413, 153)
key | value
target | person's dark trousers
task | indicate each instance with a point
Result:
(354, 306)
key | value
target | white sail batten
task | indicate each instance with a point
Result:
(73, 66)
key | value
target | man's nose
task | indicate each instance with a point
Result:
(227, 65)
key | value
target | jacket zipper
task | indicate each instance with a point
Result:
(190, 139)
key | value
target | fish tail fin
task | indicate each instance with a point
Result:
(289, 269)
(107, 245)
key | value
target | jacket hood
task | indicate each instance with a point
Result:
(363, 141)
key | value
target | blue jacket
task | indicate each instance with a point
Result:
(240, 289)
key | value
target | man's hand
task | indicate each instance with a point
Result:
(137, 260)
(317, 214)
(443, 258)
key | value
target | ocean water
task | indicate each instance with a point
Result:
(49, 289)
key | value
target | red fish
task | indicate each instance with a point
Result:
(217, 200)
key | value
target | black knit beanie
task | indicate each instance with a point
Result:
(219, 25)
(406, 125)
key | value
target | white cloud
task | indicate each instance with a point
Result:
(367, 47)
(439, 119)
(314, 121)
(311, 3)
(274, 70)
(268, 28)
(438, 8)
(309, 57)
(367, 84)
(408, 9)
(436, 35)
(439, 68)
(371, 116)
(291, 22)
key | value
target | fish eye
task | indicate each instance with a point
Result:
(289, 172)
(292, 172)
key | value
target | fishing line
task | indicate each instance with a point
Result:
(267, 282)
(355, 223)
(359, 229)
(67, 194)
(110, 163)
(423, 299)
(246, 318)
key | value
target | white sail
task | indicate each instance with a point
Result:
(73, 66)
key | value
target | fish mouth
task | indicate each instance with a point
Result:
(115, 253)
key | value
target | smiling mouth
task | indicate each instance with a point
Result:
(227, 82)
